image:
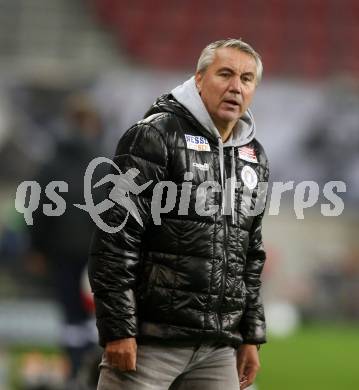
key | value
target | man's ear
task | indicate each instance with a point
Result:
(198, 80)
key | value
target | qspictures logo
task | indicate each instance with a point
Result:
(165, 196)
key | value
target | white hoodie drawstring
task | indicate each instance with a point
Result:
(233, 183)
(221, 169)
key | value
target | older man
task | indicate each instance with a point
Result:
(177, 297)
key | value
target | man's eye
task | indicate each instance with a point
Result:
(225, 74)
(247, 79)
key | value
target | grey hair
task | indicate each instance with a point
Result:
(207, 55)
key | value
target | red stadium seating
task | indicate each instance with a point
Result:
(297, 37)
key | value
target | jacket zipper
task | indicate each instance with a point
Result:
(225, 265)
(224, 275)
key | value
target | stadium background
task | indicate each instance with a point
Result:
(121, 54)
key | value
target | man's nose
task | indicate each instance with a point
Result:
(235, 85)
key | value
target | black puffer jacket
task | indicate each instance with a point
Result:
(191, 278)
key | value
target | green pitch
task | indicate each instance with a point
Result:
(317, 357)
(314, 358)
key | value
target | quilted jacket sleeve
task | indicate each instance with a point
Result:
(114, 258)
(252, 325)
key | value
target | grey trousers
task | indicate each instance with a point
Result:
(175, 368)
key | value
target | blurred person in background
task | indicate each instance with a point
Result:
(60, 243)
(178, 303)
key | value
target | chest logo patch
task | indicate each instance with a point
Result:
(247, 153)
(249, 177)
(197, 142)
(201, 167)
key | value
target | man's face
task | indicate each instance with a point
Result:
(227, 86)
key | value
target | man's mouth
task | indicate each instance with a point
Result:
(232, 102)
